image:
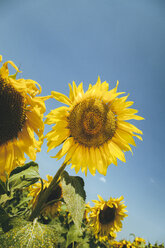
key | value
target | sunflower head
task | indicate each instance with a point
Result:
(21, 122)
(12, 107)
(139, 241)
(106, 217)
(93, 128)
(125, 244)
(13, 112)
(53, 203)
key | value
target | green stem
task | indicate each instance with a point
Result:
(45, 194)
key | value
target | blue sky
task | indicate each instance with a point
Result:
(56, 42)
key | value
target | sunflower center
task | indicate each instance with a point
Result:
(92, 122)
(12, 112)
(107, 215)
(55, 194)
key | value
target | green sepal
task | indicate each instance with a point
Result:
(24, 176)
(74, 196)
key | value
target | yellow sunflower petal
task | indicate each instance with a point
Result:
(126, 136)
(129, 127)
(61, 98)
(116, 151)
(101, 167)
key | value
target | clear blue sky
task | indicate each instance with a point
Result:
(56, 42)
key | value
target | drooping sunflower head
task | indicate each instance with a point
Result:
(93, 128)
(12, 109)
(106, 216)
(21, 114)
(53, 203)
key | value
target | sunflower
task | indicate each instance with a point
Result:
(121, 244)
(53, 203)
(106, 217)
(114, 243)
(92, 130)
(21, 114)
(139, 241)
(126, 244)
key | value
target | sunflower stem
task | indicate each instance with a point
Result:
(45, 194)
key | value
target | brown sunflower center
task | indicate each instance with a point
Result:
(92, 122)
(55, 194)
(107, 215)
(12, 112)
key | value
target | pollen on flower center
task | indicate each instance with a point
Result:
(107, 215)
(12, 112)
(91, 122)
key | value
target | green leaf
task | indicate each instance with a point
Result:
(3, 215)
(4, 220)
(74, 196)
(24, 176)
(17, 203)
(26, 234)
(83, 245)
(73, 235)
(3, 188)
(76, 182)
(62, 231)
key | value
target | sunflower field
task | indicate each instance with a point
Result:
(92, 129)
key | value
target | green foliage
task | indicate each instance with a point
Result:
(76, 182)
(24, 176)
(14, 194)
(74, 196)
(3, 187)
(26, 234)
(17, 203)
(67, 230)
(74, 235)
(4, 219)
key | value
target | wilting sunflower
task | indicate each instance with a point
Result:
(53, 202)
(21, 114)
(106, 216)
(93, 128)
